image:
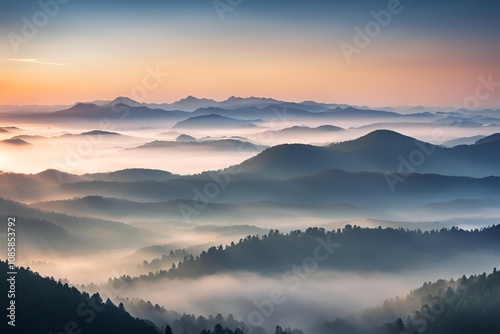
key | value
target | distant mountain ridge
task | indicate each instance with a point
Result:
(355, 249)
(379, 151)
(237, 107)
(113, 111)
(219, 144)
(490, 139)
(214, 121)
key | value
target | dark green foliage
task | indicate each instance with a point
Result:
(474, 307)
(218, 329)
(46, 306)
(181, 323)
(468, 305)
(158, 263)
(363, 249)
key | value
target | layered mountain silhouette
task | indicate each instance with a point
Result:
(16, 141)
(127, 210)
(214, 121)
(99, 132)
(379, 151)
(351, 248)
(219, 145)
(46, 306)
(130, 175)
(185, 138)
(490, 139)
(364, 189)
(114, 110)
(37, 186)
(52, 232)
(234, 107)
(464, 206)
(298, 130)
(326, 174)
(306, 129)
(462, 141)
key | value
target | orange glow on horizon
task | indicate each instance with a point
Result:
(373, 79)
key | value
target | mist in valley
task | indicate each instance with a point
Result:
(155, 213)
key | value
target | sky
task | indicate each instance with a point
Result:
(424, 52)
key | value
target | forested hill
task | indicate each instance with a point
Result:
(46, 306)
(473, 307)
(463, 306)
(351, 248)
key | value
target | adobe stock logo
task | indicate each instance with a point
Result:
(30, 27)
(223, 6)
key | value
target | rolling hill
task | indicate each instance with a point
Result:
(350, 249)
(46, 306)
(216, 145)
(464, 305)
(490, 139)
(213, 121)
(112, 111)
(379, 151)
(55, 232)
(16, 142)
(363, 189)
(130, 175)
(130, 211)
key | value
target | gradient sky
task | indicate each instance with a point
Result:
(431, 53)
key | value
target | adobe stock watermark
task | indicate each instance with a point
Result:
(419, 322)
(372, 29)
(291, 280)
(220, 180)
(85, 147)
(484, 90)
(223, 6)
(409, 164)
(87, 310)
(31, 26)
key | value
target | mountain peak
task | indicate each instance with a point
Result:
(383, 136)
(15, 141)
(384, 133)
(194, 101)
(125, 100)
(185, 138)
(83, 105)
(234, 98)
(377, 140)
